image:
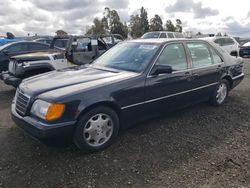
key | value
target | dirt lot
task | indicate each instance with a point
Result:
(201, 146)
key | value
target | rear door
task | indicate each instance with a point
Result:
(206, 69)
(166, 92)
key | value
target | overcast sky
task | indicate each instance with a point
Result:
(73, 16)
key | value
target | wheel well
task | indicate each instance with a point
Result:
(111, 105)
(229, 79)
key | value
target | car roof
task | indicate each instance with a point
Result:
(163, 40)
(9, 44)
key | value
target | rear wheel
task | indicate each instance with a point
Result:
(96, 129)
(220, 94)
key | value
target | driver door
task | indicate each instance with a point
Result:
(165, 92)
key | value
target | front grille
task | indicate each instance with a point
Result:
(22, 102)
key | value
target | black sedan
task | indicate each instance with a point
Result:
(134, 80)
(245, 50)
(18, 48)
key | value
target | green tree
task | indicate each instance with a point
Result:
(97, 29)
(135, 26)
(113, 23)
(170, 26)
(156, 23)
(10, 35)
(178, 26)
(61, 33)
(144, 20)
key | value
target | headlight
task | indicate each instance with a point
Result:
(47, 111)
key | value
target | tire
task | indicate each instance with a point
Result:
(96, 129)
(217, 98)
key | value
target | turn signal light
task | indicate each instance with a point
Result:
(55, 111)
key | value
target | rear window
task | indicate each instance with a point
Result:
(151, 35)
(229, 41)
(170, 35)
(224, 41)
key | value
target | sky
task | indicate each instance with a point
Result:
(44, 17)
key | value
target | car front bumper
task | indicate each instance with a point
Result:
(9, 79)
(40, 129)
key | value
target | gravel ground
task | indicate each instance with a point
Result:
(200, 146)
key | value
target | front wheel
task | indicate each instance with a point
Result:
(96, 129)
(220, 94)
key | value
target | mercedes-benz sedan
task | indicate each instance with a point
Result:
(132, 81)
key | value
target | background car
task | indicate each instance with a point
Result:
(245, 49)
(4, 41)
(18, 48)
(79, 50)
(227, 43)
(162, 34)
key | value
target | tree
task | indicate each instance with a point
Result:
(170, 26)
(98, 28)
(10, 35)
(135, 26)
(156, 23)
(144, 20)
(178, 26)
(219, 34)
(113, 22)
(61, 33)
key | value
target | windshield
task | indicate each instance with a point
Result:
(151, 35)
(128, 56)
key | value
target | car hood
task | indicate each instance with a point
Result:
(36, 56)
(81, 77)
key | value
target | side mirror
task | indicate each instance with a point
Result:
(234, 53)
(162, 69)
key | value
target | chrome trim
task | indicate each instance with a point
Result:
(168, 96)
(20, 104)
(239, 76)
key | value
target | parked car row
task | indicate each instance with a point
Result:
(133, 81)
(63, 52)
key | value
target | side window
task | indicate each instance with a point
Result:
(61, 43)
(170, 35)
(179, 35)
(219, 42)
(174, 56)
(163, 35)
(217, 59)
(200, 54)
(229, 41)
(35, 47)
(20, 47)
